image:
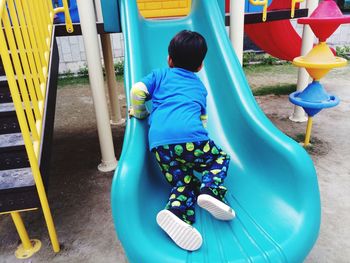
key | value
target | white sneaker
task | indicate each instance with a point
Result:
(218, 209)
(183, 234)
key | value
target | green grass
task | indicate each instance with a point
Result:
(286, 68)
(283, 79)
(70, 79)
(282, 89)
(312, 148)
(64, 81)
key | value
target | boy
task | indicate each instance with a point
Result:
(180, 141)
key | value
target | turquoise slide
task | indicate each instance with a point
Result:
(272, 181)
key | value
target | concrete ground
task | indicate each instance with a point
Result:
(80, 195)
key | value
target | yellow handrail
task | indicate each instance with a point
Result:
(68, 20)
(263, 3)
(25, 44)
(294, 2)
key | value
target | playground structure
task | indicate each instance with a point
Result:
(319, 61)
(30, 60)
(268, 168)
(276, 37)
(28, 83)
(255, 238)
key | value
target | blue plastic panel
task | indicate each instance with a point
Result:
(111, 16)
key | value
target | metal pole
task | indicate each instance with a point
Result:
(98, 9)
(237, 27)
(90, 37)
(116, 117)
(308, 132)
(21, 230)
(303, 77)
(28, 247)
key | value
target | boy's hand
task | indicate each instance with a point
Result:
(131, 112)
(138, 114)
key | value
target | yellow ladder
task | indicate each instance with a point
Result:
(25, 44)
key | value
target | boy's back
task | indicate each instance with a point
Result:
(178, 101)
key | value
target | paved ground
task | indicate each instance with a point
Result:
(79, 194)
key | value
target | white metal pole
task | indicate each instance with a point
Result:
(237, 27)
(303, 77)
(116, 117)
(90, 37)
(98, 9)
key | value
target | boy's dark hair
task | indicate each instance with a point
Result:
(187, 50)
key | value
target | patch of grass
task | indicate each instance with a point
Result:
(83, 72)
(82, 76)
(119, 68)
(66, 81)
(249, 57)
(343, 52)
(300, 137)
(286, 68)
(252, 57)
(119, 78)
(316, 147)
(282, 89)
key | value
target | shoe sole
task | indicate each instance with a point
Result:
(218, 209)
(183, 234)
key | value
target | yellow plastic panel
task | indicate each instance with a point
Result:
(164, 8)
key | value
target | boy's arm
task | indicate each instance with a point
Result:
(139, 94)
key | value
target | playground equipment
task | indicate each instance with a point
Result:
(278, 38)
(29, 58)
(272, 182)
(90, 37)
(73, 11)
(164, 8)
(319, 61)
(90, 17)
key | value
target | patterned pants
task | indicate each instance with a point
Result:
(178, 161)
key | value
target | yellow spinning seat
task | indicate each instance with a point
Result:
(319, 61)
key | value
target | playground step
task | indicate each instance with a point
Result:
(2, 72)
(9, 124)
(13, 157)
(8, 121)
(10, 140)
(7, 107)
(17, 187)
(16, 178)
(5, 94)
(14, 199)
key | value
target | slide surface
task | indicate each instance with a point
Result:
(271, 180)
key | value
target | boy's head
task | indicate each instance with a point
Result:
(187, 50)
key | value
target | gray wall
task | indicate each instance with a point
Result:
(72, 52)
